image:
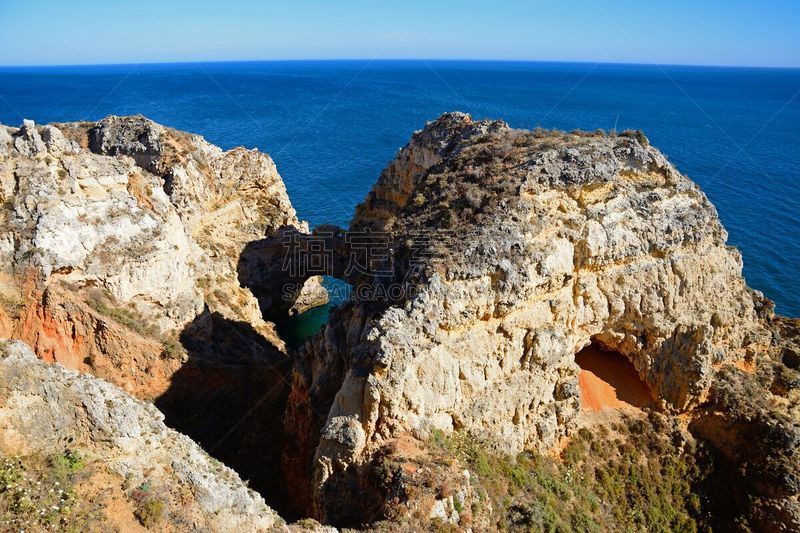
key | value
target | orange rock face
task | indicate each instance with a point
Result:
(61, 328)
(609, 381)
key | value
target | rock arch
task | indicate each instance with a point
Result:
(566, 239)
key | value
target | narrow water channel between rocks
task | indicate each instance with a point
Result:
(294, 330)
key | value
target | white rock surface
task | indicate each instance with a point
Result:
(153, 215)
(42, 406)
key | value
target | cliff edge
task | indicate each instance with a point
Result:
(133, 470)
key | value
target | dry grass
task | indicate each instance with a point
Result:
(102, 302)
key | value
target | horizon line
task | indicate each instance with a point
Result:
(395, 60)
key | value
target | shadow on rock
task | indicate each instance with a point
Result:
(230, 397)
(756, 479)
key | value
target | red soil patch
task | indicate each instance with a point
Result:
(609, 381)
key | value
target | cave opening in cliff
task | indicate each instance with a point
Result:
(608, 380)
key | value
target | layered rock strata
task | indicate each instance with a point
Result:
(120, 242)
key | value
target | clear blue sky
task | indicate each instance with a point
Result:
(712, 32)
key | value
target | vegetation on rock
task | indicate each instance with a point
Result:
(149, 507)
(38, 492)
(641, 473)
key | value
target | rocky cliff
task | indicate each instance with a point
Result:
(119, 249)
(132, 465)
(487, 264)
(135, 221)
(511, 251)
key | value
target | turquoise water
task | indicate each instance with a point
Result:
(332, 126)
(296, 329)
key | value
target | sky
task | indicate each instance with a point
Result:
(711, 32)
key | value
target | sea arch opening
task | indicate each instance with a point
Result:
(296, 329)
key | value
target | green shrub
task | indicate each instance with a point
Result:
(66, 464)
(598, 484)
(149, 508)
(172, 349)
(150, 512)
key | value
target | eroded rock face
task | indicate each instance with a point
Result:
(120, 242)
(515, 250)
(150, 258)
(154, 218)
(43, 406)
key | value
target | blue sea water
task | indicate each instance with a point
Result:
(332, 126)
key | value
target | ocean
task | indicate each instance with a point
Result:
(331, 126)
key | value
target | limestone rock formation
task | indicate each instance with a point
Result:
(157, 261)
(131, 220)
(119, 249)
(44, 407)
(511, 251)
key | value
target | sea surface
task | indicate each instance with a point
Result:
(332, 126)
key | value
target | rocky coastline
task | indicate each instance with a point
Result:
(143, 271)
